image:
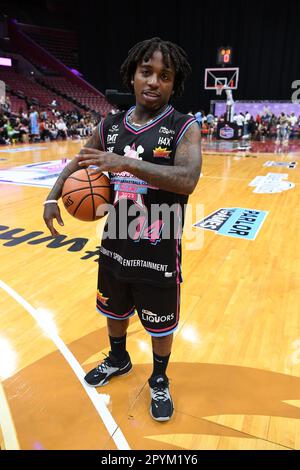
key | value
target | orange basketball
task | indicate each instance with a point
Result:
(85, 196)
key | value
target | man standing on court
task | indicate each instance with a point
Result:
(152, 153)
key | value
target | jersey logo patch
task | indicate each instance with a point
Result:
(160, 152)
(126, 185)
(132, 153)
(101, 298)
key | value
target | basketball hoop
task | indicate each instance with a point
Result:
(221, 78)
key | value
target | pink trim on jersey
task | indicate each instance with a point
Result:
(178, 302)
(161, 330)
(146, 127)
(107, 315)
(103, 139)
(114, 314)
(177, 249)
(185, 125)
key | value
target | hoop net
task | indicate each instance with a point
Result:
(219, 89)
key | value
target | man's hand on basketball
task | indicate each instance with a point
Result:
(52, 211)
(105, 161)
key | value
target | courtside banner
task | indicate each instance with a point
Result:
(234, 222)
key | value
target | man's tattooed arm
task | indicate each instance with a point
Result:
(181, 178)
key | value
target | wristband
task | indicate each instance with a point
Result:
(51, 201)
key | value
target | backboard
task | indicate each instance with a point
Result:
(221, 78)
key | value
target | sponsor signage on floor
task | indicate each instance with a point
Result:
(234, 222)
(281, 164)
(14, 236)
(43, 174)
(271, 183)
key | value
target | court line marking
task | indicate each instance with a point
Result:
(7, 425)
(225, 178)
(96, 398)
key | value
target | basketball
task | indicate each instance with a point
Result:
(85, 195)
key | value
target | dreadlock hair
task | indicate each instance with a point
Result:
(144, 50)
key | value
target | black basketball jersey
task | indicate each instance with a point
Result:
(142, 237)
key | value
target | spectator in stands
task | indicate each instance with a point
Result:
(7, 105)
(210, 121)
(52, 129)
(266, 116)
(251, 126)
(21, 126)
(62, 128)
(34, 125)
(204, 128)
(72, 130)
(22, 129)
(282, 129)
(262, 131)
(24, 115)
(74, 116)
(11, 132)
(210, 118)
(44, 131)
(293, 121)
(199, 116)
(2, 138)
(3, 132)
(246, 123)
(89, 127)
(81, 128)
(44, 114)
(240, 119)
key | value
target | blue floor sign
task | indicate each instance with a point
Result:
(234, 222)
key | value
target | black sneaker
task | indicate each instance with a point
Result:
(108, 368)
(161, 407)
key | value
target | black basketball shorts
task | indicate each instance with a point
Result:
(157, 307)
